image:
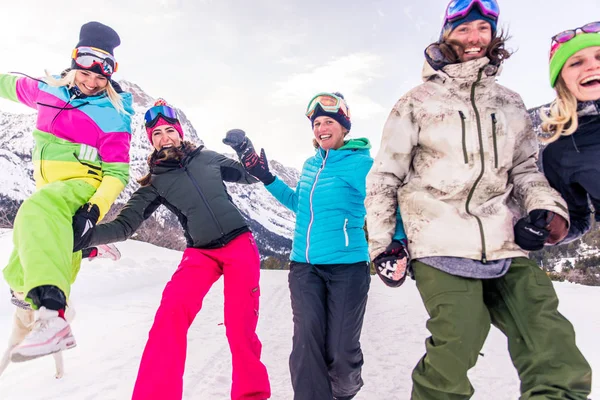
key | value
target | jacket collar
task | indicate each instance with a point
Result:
(161, 167)
(353, 145)
(465, 73)
(588, 108)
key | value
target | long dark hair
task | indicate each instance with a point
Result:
(496, 50)
(168, 154)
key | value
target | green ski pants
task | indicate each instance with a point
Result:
(43, 238)
(523, 305)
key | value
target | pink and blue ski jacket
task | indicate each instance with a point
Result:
(83, 138)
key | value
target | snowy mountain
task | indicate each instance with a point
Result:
(271, 222)
(115, 304)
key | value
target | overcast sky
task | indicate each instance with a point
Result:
(254, 64)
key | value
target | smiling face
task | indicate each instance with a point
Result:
(471, 39)
(329, 133)
(90, 83)
(165, 136)
(581, 74)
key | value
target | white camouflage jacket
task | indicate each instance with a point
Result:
(458, 155)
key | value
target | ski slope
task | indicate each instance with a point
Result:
(115, 305)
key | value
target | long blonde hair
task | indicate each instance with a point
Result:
(561, 119)
(68, 79)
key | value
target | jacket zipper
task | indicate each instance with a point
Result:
(312, 216)
(464, 136)
(214, 217)
(481, 156)
(346, 231)
(495, 141)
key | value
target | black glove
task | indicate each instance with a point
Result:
(84, 221)
(531, 232)
(258, 166)
(237, 139)
(254, 165)
(392, 264)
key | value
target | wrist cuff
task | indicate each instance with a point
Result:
(268, 179)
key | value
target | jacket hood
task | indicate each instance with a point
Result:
(350, 147)
(356, 144)
(175, 158)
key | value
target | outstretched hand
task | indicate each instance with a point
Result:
(255, 165)
(238, 141)
(258, 166)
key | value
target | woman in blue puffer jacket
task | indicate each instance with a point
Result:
(329, 270)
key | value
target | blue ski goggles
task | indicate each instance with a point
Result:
(460, 8)
(153, 114)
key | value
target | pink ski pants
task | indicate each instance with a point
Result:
(161, 370)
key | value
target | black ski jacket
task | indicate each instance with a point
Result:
(572, 166)
(194, 191)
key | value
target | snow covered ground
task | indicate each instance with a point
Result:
(115, 304)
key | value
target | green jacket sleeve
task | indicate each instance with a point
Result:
(22, 89)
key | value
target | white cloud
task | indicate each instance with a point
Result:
(349, 74)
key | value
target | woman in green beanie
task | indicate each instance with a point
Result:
(572, 124)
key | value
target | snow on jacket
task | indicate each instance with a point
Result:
(329, 205)
(456, 151)
(571, 166)
(83, 138)
(193, 190)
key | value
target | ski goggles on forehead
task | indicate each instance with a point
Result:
(565, 36)
(155, 113)
(87, 57)
(328, 102)
(460, 8)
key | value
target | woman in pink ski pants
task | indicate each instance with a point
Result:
(188, 180)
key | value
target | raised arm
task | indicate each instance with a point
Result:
(258, 166)
(233, 171)
(20, 89)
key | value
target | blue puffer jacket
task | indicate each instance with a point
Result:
(329, 205)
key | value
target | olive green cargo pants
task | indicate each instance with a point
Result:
(523, 305)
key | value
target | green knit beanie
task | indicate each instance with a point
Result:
(567, 49)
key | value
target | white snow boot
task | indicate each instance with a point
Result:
(49, 335)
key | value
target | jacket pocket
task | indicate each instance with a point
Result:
(93, 171)
(464, 135)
